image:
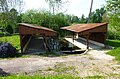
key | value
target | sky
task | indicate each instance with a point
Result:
(72, 7)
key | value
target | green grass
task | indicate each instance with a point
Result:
(14, 40)
(62, 68)
(114, 52)
(40, 77)
(114, 43)
(94, 77)
(117, 76)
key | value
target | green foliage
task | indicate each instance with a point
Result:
(9, 13)
(83, 19)
(8, 21)
(14, 40)
(94, 77)
(96, 16)
(113, 6)
(114, 43)
(40, 77)
(116, 53)
(113, 35)
(113, 12)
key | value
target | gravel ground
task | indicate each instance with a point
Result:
(80, 65)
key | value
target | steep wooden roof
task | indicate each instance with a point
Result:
(37, 27)
(25, 28)
(83, 27)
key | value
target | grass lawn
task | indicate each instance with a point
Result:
(40, 77)
(114, 52)
(114, 43)
(14, 40)
(115, 76)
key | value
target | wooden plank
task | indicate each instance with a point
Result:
(47, 47)
(105, 39)
(24, 48)
(21, 43)
(87, 41)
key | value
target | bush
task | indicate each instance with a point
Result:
(113, 35)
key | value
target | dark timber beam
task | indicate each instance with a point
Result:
(47, 48)
(87, 40)
(105, 38)
(73, 37)
(26, 44)
(21, 43)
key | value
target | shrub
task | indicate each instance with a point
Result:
(113, 35)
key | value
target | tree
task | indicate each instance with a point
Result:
(113, 7)
(7, 5)
(9, 11)
(96, 16)
(13, 19)
(90, 11)
(83, 19)
(113, 11)
(55, 5)
(3, 6)
(74, 19)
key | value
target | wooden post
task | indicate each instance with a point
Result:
(77, 35)
(87, 41)
(21, 43)
(105, 38)
(73, 37)
(46, 44)
(65, 34)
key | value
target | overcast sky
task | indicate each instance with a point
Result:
(75, 7)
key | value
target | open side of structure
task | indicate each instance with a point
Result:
(27, 31)
(90, 33)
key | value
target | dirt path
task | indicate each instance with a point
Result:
(80, 65)
(100, 54)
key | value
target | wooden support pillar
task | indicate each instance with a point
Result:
(65, 33)
(21, 43)
(46, 44)
(73, 37)
(87, 41)
(104, 34)
(44, 39)
(77, 35)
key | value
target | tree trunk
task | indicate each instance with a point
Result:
(90, 11)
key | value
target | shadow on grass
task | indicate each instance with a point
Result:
(3, 73)
(17, 55)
